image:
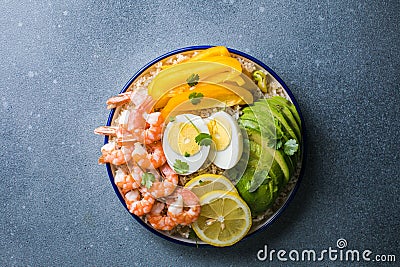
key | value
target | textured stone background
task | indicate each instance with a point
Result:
(60, 61)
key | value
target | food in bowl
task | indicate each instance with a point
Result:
(204, 146)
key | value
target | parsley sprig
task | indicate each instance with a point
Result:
(193, 79)
(195, 98)
(290, 147)
(181, 167)
(202, 139)
(148, 179)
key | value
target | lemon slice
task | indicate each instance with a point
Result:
(224, 218)
(205, 183)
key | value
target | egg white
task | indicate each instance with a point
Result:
(194, 161)
(230, 156)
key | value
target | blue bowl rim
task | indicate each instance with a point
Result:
(303, 146)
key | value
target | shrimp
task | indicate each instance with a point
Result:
(154, 132)
(156, 155)
(137, 97)
(135, 120)
(146, 131)
(118, 100)
(123, 137)
(114, 155)
(125, 182)
(139, 156)
(159, 219)
(139, 201)
(167, 186)
(186, 207)
(148, 160)
(106, 130)
(126, 134)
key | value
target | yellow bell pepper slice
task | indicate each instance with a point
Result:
(211, 52)
(204, 54)
(177, 75)
(213, 95)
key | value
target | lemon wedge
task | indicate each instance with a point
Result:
(224, 218)
(205, 183)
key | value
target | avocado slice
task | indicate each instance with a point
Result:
(280, 158)
(267, 124)
(278, 155)
(277, 111)
(261, 199)
(284, 110)
(290, 106)
(266, 155)
(249, 125)
(284, 123)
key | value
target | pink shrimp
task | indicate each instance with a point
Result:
(123, 136)
(186, 207)
(136, 121)
(106, 130)
(126, 133)
(159, 219)
(154, 132)
(118, 100)
(166, 187)
(139, 201)
(137, 97)
(156, 155)
(125, 182)
(111, 153)
(148, 160)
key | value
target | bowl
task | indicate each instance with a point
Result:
(286, 194)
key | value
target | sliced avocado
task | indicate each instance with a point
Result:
(288, 130)
(267, 160)
(261, 199)
(265, 120)
(254, 135)
(285, 111)
(280, 158)
(291, 107)
(277, 112)
(276, 174)
(249, 124)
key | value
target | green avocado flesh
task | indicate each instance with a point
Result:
(268, 122)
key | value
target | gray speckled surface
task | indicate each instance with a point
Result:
(60, 61)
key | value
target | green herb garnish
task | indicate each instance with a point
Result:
(148, 179)
(171, 119)
(181, 167)
(193, 79)
(187, 154)
(203, 139)
(195, 98)
(290, 147)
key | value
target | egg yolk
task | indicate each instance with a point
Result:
(181, 138)
(220, 132)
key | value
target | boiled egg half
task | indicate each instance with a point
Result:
(179, 144)
(227, 147)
